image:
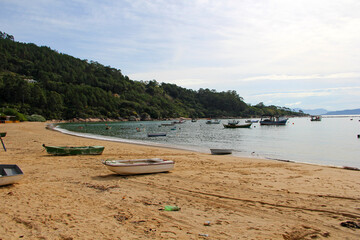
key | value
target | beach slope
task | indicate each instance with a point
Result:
(220, 197)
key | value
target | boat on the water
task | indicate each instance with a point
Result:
(274, 121)
(64, 151)
(168, 124)
(220, 151)
(156, 134)
(252, 121)
(213, 121)
(9, 174)
(139, 166)
(315, 118)
(235, 124)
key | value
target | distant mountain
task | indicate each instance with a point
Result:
(344, 112)
(319, 111)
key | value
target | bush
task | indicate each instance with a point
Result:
(36, 118)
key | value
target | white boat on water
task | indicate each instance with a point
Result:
(220, 151)
(9, 174)
(213, 121)
(139, 166)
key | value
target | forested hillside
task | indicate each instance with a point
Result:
(39, 80)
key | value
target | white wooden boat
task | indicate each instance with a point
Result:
(220, 151)
(9, 174)
(139, 166)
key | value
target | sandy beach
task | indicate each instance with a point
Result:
(221, 197)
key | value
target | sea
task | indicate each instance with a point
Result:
(333, 141)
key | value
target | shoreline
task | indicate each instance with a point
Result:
(221, 197)
(161, 145)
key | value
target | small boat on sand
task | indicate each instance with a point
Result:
(9, 174)
(220, 151)
(65, 151)
(139, 166)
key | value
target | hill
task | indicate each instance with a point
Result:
(318, 111)
(345, 112)
(39, 80)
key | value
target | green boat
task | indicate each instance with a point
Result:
(64, 151)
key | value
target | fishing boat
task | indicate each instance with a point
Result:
(315, 118)
(274, 121)
(235, 124)
(139, 166)
(252, 121)
(64, 151)
(213, 121)
(9, 174)
(156, 134)
(179, 122)
(220, 151)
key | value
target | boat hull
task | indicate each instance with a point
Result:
(220, 151)
(237, 125)
(9, 174)
(65, 151)
(139, 166)
(156, 135)
(283, 122)
(2, 134)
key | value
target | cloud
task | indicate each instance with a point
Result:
(313, 93)
(267, 49)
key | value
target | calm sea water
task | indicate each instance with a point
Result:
(332, 141)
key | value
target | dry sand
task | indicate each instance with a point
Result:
(76, 197)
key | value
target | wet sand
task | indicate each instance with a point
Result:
(221, 197)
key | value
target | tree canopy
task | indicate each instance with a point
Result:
(39, 80)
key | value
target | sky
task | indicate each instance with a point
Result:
(296, 54)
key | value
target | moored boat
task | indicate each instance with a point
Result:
(64, 151)
(252, 121)
(274, 121)
(9, 174)
(220, 151)
(139, 166)
(156, 134)
(213, 121)
(315, 118)
(235, 124)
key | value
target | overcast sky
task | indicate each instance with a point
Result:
(297, 54)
